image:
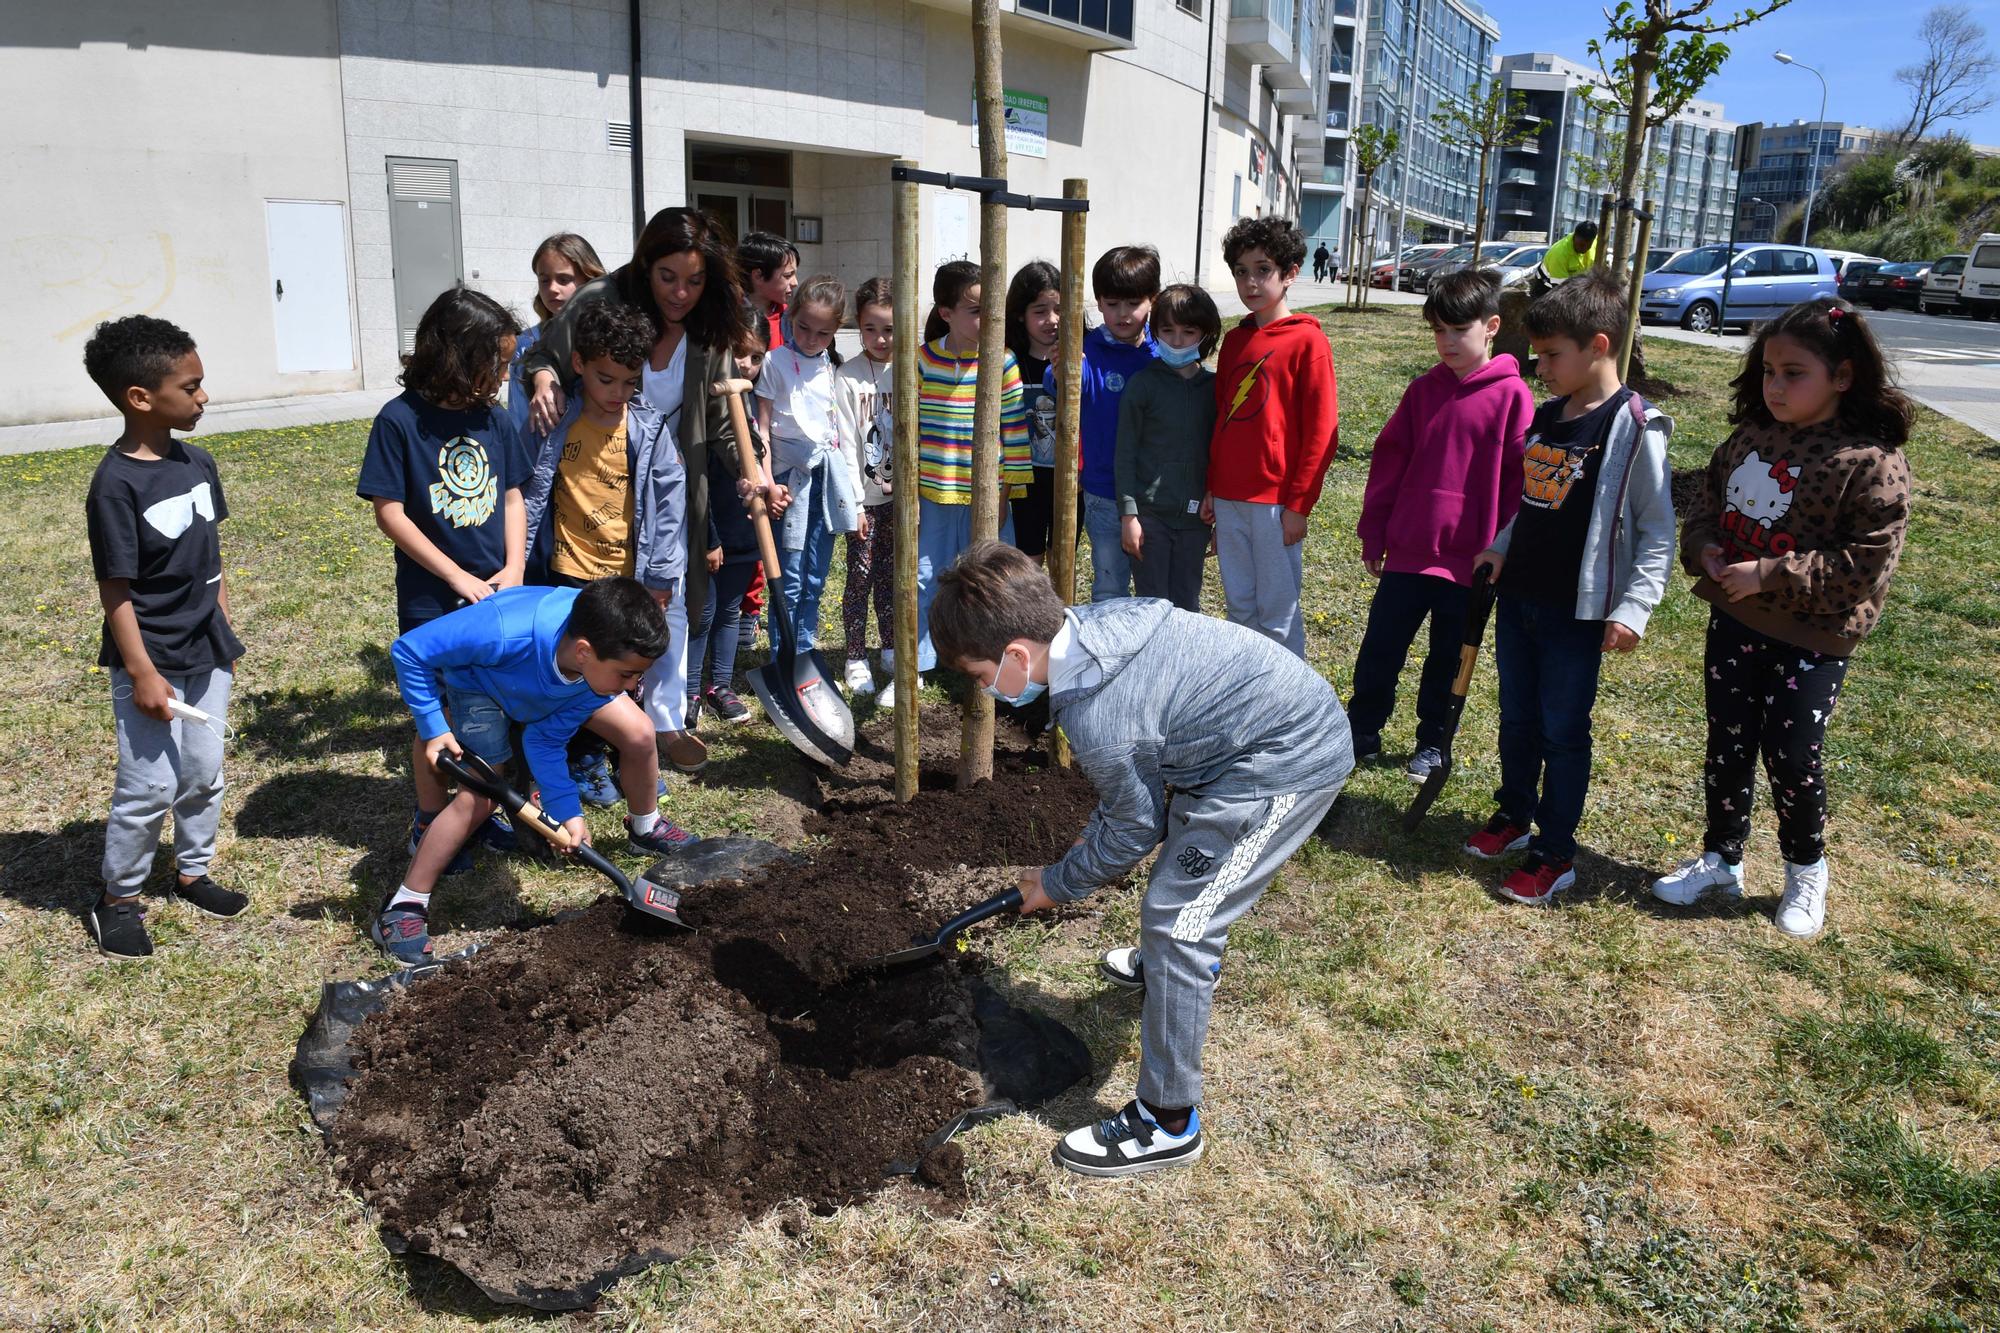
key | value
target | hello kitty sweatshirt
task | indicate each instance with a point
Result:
(1822, 511)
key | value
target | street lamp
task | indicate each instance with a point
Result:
(1812, 186)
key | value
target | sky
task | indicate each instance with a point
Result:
(1857, 44)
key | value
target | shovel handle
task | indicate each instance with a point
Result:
(1010, 901)
(746, 463)
(477, 774)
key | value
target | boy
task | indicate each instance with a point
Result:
(152, 511)
(1590, 546)
(1197, 735)
(1164, 423)
(1444, 477)
(1277, 423)
(550, 659)
(1125, 281)
(608, 496)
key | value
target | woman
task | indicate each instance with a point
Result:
(682, 275)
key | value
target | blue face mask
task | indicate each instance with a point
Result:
(1030, 691)
(1179, 356)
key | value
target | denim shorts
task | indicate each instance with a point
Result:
(479, 723)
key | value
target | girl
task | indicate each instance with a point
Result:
(683, 276)
(732, 555)
(444, 468)
(947, 377)
(562, 263)
(806, 414)
(871, 549)
(1793, 541)
(1034, 321)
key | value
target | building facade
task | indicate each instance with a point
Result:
(294, 183)
(1418, 54)
(1327, 172)
(1557, 178)
(1777, 186)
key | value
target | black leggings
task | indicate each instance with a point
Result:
(1770, 698)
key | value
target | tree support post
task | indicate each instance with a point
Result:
(1069, 415)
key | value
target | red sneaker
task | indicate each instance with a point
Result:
(1538, 880)
(1500, 836)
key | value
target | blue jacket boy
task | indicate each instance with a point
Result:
(659, 494)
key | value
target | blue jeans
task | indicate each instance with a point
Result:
(1110, 567)
(711, 663)
(943, 531)
(804, 581)
(1394, 617)
(1548, 662)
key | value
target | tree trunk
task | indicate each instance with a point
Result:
(1479, 231)
(975, 760)
(1645, 59)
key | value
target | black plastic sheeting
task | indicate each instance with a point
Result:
(1025, 1059)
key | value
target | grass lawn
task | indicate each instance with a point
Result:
(1428, 1108)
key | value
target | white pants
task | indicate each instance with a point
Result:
(1261, 576)
(663, 692)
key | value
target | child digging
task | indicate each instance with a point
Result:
(1792, 542)
(1204, 740)
(152, 512)
(549, 659)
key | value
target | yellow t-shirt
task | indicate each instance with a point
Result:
(593, 503)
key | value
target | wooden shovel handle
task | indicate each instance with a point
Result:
(746, 463)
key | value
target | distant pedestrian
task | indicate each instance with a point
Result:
(1322, 262)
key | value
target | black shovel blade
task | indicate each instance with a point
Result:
(920, 949)
(1427, 795)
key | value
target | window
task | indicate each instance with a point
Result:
(1986, 256)
(1189, 6)
(1111, 17)
(1793, 262)
(1756, 264)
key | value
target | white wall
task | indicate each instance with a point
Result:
(141, 144)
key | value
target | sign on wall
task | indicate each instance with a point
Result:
(1027, 123)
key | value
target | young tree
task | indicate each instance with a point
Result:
(1664, 57)
(1490, 121)
(1372, 146)
(1954, 80)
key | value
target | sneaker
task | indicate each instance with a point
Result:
(461, 860)
(1422, 763)
(685, 751)
(209, 898)
(1537, 880)
(593, 777)
(857, 678)
(693, 713)
(119, 927)
(1707, 873)
(1500, 836)
(497, 834)
(1128, 1143)
(1802, 910)
(887, 698)
(727, 706)
(666, 838)
(1123, 968)
(403, 932)
(1367, 749)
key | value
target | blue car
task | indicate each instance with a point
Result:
(1764, 281)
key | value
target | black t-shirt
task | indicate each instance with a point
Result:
(153, 523)
(1545, 555)
(1040, 406)
(450, 469)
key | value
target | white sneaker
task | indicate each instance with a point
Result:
(887, 698)
(857, 677)
(1707, 873)
(1129, 1143)
(889, 662)
(1802, 911)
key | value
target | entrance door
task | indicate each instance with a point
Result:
(742, 189)
(725, 210)
(309, 310)
(423, 237)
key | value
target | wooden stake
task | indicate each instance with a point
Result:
(975, 760)
(1069, 409)
(903, 472)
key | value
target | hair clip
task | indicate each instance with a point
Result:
(1834, 314)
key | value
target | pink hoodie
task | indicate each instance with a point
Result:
(1446, 473)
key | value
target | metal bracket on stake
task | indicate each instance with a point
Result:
(991, 188)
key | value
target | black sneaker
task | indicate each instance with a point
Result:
(209, 898)
(727, 706)
(1423, 762)
(1367, 749)
(1128, 1143)
(119, 927)
(694, 712)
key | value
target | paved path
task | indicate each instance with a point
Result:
(305, 409)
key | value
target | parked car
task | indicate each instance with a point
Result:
(1979, 289)
(1417, 277)
(1842, 258)
(1940, 292)
(1659, 255)
(1853, 275)
(1385, 268)
(1891, 284)
(1521, 265)
(1763, 281)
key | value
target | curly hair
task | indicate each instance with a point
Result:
(456, 358)
(622, 332)
(1835, 332)
(1279, 238)
(136, 351)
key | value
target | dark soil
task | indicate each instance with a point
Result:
(589, 1091)
(1687, 487)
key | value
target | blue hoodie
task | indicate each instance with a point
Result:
(505, 648)
(1108, 365)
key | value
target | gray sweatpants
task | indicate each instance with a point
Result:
(163, 766)
(1261, 576)
(1218, 858)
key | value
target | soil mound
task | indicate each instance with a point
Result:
(584, 1098)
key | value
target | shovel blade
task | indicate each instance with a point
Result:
(656, 901)
(806, 710)
(1427, 795)
(914, 954)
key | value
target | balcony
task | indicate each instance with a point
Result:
(1091, 25)
(1518, 176)
(1311, 151)
(1291, 101)
(1261, 30)
(1344, 10)
(1340, 65)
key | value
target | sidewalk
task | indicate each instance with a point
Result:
(306, 409)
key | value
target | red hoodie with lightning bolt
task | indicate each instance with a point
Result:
(1277, 414)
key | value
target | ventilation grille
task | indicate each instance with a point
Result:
(409, 339)
(421, 180)
(618, 135)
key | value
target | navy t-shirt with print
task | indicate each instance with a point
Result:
(153, 523)
(1545, 554)
(451, 469)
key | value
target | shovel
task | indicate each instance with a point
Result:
(645, 896)
(795, 688)
(1478, 609)
(927, 946)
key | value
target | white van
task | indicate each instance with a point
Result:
(1979, 292)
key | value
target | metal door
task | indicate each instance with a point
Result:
(307, 243)
(423, 237)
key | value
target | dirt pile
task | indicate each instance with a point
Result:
(588, 1096)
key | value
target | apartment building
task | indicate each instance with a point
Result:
(1777, 186)
(1417, 55)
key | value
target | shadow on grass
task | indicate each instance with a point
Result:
(307, 723)
(56, 871)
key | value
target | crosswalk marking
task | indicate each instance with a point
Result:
(1946, 354)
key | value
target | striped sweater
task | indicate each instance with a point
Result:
(946, 384)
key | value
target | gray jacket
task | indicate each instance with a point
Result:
(1208, 707)
(659, 494)
(1629, 546)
